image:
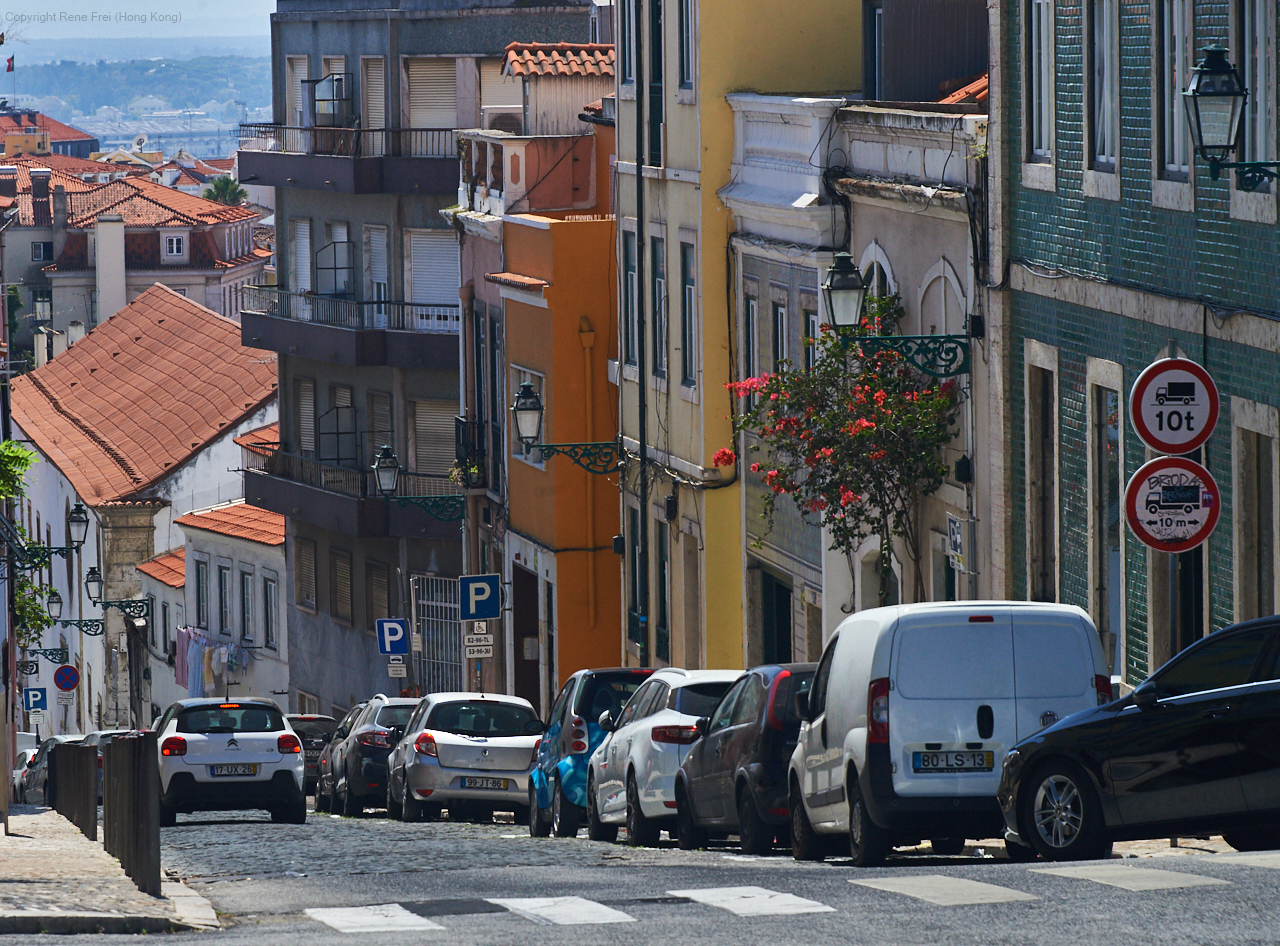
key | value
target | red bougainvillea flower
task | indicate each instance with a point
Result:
(724, 457)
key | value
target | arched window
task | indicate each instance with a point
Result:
(942, 302)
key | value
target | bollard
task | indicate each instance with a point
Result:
(76, 770)
(131, 807)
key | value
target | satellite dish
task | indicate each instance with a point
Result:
(140, 142)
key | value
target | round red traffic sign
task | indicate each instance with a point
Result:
(66, 677)
(1172, 504)
(1174, 406)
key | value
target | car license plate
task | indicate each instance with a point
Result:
(499, 784)
(925, 762)
(239, 769)
(313, 755)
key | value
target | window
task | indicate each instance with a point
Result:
(810, 339)
(1039, 79)
(1255, 556)
(376, 590)
(1108, 610)
(340, 605)
(530, 454)
(724, 712)
(688, 315)
(662, 624)
(297, 68)
(750, 344)
(173, 246)
(304, 573)
(635, 633)
(751, 699)
(434, 446)
(379, 423)
(246, 606)
(305, 421)
(42, 252)
(300, 255)
(1225, 661)
(626, 49)
(165, 626)
(224, 599)
(658, 302)
(308, 704)
(873, 50)
(151, 602)
(1255, 59)
(657, 63)
(1173, 63)
(1042, 482)
(270, 613)
(202, 594)
(779, 335)
(1103, 51)
(42, 303)
(375, 262)
(688, 23)
(630, 329)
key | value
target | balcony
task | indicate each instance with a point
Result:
(346, 332)
(342, 499)
(350, 160)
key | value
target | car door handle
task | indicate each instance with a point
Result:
(1216, 712)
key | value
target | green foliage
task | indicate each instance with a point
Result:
(13, 300)
(225, 191)
(183, 83)
(31, 616)
(15, 460)
(856, 440)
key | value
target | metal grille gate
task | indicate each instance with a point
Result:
(440, 665)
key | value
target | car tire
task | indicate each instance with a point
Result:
(322, 800)
(1019, 853)
(480, 814)
(597, 830)
(1060, 809)
(754, 836)
(296, 812)
(352, 807)
(395, 811)
(539, 824)
(947, 847)
(869, 844)
(566, 817)
(689, 834)
(806, 844)
(1253, 839)
(642, 831)
(168, 816)
(410, 809)
(520, 814)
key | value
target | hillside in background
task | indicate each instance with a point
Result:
(110, 48)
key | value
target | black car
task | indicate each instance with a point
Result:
(315, 732)
(358, 762)
(1194, 750)
(326, 789)
(734, 779)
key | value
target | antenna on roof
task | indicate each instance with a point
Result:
(140, 141)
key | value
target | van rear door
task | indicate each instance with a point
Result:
(951, 709)
(1053, 667)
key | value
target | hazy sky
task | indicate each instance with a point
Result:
(26, 22)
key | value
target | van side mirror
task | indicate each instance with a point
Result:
(802, 707)
(606, 721)
(1145, 696)
(700, 725)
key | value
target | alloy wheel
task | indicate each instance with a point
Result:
(1058, 811)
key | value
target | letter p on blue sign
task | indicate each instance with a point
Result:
(481, 597)
(393, 635)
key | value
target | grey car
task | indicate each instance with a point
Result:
(99, 739)
(35, 780)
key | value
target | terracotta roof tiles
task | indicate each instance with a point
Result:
(238, 520)
(558, 59)
(14, 124)
(975, 91)
(170, 567)
(262, 438)
(516, 281)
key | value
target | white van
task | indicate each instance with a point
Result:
(950, 687)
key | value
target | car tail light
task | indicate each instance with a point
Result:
(376, 739)
(578, 735)
(1103, 686)
(679, 735)
(774, 720)
(423, 792)
(174, 745)
(425, 744)
(288, 742)
(99, 761)
(878, 711)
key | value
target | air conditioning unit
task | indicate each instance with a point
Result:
(508, 118)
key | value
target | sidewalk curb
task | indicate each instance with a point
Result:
(32, 923)
(191, 908)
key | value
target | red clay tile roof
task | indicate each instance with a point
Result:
(143, 203)
(516, 281)
(141, 394)
(262, 438)
(170, 568)
(975, 91)
(222, 164)
(12, 125)
(238, 520)
(60, 164)
(558, 59)
(202, 173)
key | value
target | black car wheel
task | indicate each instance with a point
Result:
(566, 817)
(755, 837)
(322, 798)
(1254, 839)
(597, 830)
(539, 823)
(352, 807)
(410, 809)
(869, 844)
(168, 816)
(642, 831)
(947, 847)
(689, 834)
(806, 845)
(1019, 853)
(1062, 814)
(395, 812)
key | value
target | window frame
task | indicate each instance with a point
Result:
(1101, 43)
(778, 330)
(812, 328)
(312, 603)
(247, 599)
(225, 614)
(1039, 145)
(630, 277)
(688, 314)
(658, 303)
(202, 594)
(1258, 72)
(270, 612)
(337, 556)
(687, 36)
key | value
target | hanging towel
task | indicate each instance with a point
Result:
(195, 665)
(180, 658)
(208, 670)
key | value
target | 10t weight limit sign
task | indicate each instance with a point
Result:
(1174, 406)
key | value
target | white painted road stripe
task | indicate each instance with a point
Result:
(753, 901)
(1249, 860)
(383, 918)
(1130, 878)
(564, 911)
(946, 891)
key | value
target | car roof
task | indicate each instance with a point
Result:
(460, 695)
(307, 717)
(680, 677)
(218, 701)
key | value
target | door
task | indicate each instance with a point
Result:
(297, 69)
(1053, 669)
(952, 696)
(1180, 758)
(524, 624)
(775, 620)
(709, 788)
(1258, 729)
(823, 788)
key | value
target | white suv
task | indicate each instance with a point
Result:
(230, 755)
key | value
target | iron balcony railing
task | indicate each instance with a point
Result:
(358, 484)
(351, 142)
(347, 313)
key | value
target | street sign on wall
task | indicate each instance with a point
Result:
(66, 677)
(1172, 504)
(1174, 406)
(480, 597)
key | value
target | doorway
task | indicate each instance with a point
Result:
(775, 620)
(524, 623)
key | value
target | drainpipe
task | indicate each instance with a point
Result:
(642, 486)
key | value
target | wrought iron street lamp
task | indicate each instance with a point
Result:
(93, 584)
(845, 291)
(1215, 99)
(386, 470)
(78, 524)
(386, 475)
(527, 411)
(39, 556)
(601, 457)
(54, 605)
(129, 607)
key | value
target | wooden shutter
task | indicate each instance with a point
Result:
(377, 592)
(334, 65)
(304, 570)
(340, 585)
(433, 267)
(300, 238)
(376, 247)
(306, 417)
(497, 89)
(375, 93)
(340, 396)
(433, 93)
(380, 430)
(433, 446)
(297, 69)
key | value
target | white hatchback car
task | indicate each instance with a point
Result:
(230, 755)
(631, 777)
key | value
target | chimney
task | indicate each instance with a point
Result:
(109, 237)
(8, 181)
(59, 217)
(75, 332)
(40, 183)
(59, 344)
(40, 342)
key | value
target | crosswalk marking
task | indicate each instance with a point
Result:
(1135, 879)
(383, 918)
(945, 891)
(753, 901)
(1250, 860)
(563, 911)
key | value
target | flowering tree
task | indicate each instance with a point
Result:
(856, 440)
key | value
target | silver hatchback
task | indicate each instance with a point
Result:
(468, 752)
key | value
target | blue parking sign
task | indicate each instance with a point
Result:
(393, 635)
(33, 698)
(480, 597)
